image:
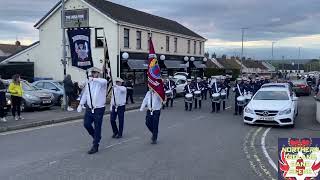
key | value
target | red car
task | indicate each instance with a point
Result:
(301, 87)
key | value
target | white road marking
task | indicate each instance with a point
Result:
(122, 142)
(265, 152)
(228, 107)
(52, 162)
(174, 125)
(53, 125)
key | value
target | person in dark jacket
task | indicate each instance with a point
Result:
(170, 85)
(215, 88)
(188, 89)
(76, 90)
(205, 86)
(2, 100)
(129, 86)
(227, 84)
(198, 87)
(68, 88)
(239, 91)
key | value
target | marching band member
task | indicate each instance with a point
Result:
(239, 91)
(214, 90)
(170, 86)
(205, 88)
(197, 93)
(188, 89)
(247, 86)
(256, 85)
(117, 107)
(95, 107)
(153, 102)
(227, 84)
(223, 91)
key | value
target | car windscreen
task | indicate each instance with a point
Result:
(58, 84)
(27, 87)
(271, 95)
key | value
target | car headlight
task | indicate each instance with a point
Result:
(248, 110)
(287, 111)
(31, 97)
(8, 102)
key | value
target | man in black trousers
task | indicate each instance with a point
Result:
(129, 86)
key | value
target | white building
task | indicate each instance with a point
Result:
(126, 30)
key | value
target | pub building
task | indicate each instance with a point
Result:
(127, 32)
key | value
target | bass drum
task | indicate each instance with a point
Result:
(188, 98)
(215, 97)
(241, 101)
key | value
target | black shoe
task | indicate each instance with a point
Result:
(114, 136)
(119, 136)
(154, 142)
(236, 114)
(94, 149)
(132, 102)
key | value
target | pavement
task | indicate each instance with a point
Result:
(196, 145)
(51, 116)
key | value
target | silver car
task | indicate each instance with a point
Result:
(34, 98)
(54, 87)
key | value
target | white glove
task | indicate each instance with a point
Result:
(79, 108)
(141, 109)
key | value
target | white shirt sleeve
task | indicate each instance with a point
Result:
(83, 99)
(144, 102)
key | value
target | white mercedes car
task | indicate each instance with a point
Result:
(272, 106)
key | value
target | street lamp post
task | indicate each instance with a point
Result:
(272, 50)
(242, 30)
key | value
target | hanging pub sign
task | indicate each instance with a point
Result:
(76, 18)
(80, 48)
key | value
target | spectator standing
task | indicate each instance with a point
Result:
(16, 92)
(68, 88)
(76, 90)
(2, 101)
(129, 86)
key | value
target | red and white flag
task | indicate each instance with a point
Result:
(154, 73)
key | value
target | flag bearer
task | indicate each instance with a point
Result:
(94, 100)
(153, 102)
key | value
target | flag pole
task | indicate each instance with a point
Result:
(106, 58)
(151, 93)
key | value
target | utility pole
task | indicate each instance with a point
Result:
(242, 31)
(272, 50)
(64, 62)
(299, 58)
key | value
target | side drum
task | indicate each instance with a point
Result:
(241, 101)
(169, 94)
(197, 94)
(188, 98)
(215, 97)
(223, 96)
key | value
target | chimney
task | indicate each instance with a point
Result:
(18, 44)
(224, 57)
(214, 55)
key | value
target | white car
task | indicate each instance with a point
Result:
(180, 83)
(272, 106)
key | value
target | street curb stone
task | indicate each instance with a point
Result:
(51, 121)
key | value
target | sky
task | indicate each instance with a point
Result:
(289, 23)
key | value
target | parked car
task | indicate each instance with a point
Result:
(54, 87)
(272, 106)
(34, 98)
(7, 107)
(300, 87)
(180, 83)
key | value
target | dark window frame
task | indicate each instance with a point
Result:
(126, 38)
(168, 43)
(98, 39)
(175, 44)
(139, 39)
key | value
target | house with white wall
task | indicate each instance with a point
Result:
(126, 30)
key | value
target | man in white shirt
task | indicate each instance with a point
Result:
(94, 99)
(117, 107)
(153, 102)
